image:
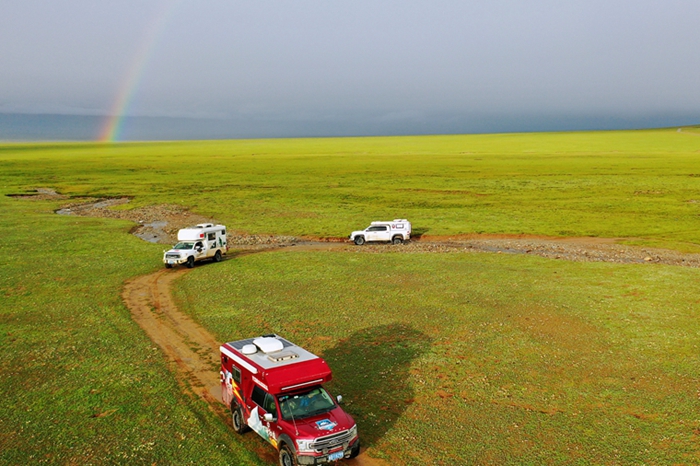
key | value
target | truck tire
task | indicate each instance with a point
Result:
(287, 457)
(355, 450)
(239, 424)
(359, 240)
(217, 256)
(168, 266)
(397, 240)
(190, 262)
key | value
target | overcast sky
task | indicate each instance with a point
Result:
(311, 60)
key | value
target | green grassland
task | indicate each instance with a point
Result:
(473, 357)
(80, 382)
(635, 184)
(465, 358)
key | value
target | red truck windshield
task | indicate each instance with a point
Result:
(306, 404)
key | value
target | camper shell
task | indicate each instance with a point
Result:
(274, 387)
(203, 241)
(395, 231)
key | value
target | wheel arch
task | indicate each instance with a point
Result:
(285, 439)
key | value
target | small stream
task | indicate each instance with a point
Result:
(153, 232)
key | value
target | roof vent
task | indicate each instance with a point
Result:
(284, 356)
(268, 344)
(204, 225)
(249, 349)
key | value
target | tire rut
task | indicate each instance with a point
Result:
(182, 340)
(194, 352)
(191, 349)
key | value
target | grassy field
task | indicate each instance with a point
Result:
(80, 382)
(635, 184)
(466, 358)
(483, 358)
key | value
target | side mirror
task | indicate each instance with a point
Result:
(199, 250)
(339, 398)
(269, 417)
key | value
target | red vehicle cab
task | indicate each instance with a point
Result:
(274, 387)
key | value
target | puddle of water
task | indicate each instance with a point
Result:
(152, 232)
(148, 237)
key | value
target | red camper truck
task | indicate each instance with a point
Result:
(274, 387)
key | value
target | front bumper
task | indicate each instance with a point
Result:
(351, 451)
(174, 261)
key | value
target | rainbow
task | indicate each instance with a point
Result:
(111, 129)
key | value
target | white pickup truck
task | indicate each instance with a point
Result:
(396, 231)
(204, 241)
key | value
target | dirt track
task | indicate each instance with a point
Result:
(193, 350)
(572, 249)
(190, 347)
(195, 353)
(159, 224)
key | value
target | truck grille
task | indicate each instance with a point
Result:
(331, 441)
(172, 256)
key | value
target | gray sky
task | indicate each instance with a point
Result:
(388, 61)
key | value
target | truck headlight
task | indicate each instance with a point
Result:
(304, 446)
(353, 432)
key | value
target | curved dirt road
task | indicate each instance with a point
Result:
(193, 351)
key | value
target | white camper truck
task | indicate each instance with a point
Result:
(203, 241)
(396, 231)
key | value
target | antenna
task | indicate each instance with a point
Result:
(291, 412)
(287, 403)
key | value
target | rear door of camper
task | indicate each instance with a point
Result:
(211, 242)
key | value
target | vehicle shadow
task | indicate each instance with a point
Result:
(416, 233)
(371, 370)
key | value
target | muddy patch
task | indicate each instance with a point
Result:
(569, 249)
(40, 194)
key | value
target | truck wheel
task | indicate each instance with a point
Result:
(217, 256)
(359, 240)
(397, 240)
(190, 262)
(237, 419)
(287, 458)
(168, 266)
(355, 450)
